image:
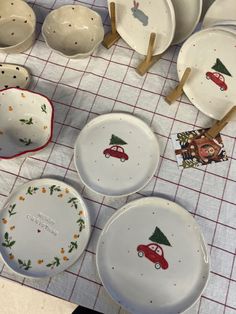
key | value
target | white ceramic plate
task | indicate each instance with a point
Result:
(26, 122)
(219, 11)
(13, 75)
(116, 154)
(187, 14)
(136, 20)
(210, 54)
(152, 258)
(44, 228)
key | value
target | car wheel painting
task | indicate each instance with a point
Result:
(157, 266)
(140, 254)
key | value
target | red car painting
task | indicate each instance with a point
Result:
(154, 253)
(117, 152)
(218, 79)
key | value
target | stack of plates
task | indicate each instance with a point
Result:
(210, 53)
(172, 21)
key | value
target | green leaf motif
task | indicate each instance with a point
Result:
(43, 108)
(8, 241)
(81, 224)
(27, 121)
(25, 265)
(54, 188)
(74, 202)
(73, 246)
(54, 263)
(159, 237)
(115, 140)
(25, 141)
(32, 190)
(11, 210)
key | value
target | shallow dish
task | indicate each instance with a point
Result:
(26, 122)
(220, 11)
(152, 258)
(17, 26)
(136, 20)
(44, 228)
(73, 31)
(13, 75)
(116, 154)
(210, 53)
(187, 14)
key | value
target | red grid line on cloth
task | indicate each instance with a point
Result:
(230, 280)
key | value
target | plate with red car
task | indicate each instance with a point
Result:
(152, 258)
(116, 154)
(210, 53)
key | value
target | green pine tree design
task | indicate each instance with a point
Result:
(220, 67)
(159, 237)
(115, 140)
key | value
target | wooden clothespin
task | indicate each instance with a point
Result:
(111, 37)
(145, 65)
(219, 125)
(178, 91)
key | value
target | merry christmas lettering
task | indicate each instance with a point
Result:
(43, 221)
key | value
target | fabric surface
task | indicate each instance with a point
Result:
(105, 82)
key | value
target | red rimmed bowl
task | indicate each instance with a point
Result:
(26, 122)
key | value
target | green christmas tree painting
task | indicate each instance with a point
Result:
(159, 237)
(115, 140)
(220, 67)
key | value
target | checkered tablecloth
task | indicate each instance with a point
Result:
(106, 82)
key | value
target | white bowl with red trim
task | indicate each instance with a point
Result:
(26, 122)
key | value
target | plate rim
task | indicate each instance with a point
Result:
(146, 199)
(14, 193)
(116, 113)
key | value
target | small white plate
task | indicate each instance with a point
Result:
(13, 75)
(187, 14)
(116, 154)
(44, 228)
(136, 20)
(219, 11)
(210, 54)
(152, 258)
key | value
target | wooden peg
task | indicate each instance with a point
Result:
(111, 37)
(219, 125)
(178, 91)
(145, 65)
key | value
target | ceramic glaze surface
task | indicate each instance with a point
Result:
(210, 54)
(17, 26)
(44, 228)
(152, 258)
(187, 14)
(25, 122)
(13, 75)
(73, 30)
(116, 154)
(135, 21)
(220, 11)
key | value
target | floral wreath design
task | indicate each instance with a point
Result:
(9, 242)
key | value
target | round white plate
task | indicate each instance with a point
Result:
(44, 228)
(116, 154)
(152, 258)
(210, 54)
(136, 20)
(13, 75)
(219, 11)
(187, 14)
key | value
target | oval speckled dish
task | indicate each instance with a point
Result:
(74, 31)
(26, 122)
(152, 258)
(210, 53)
(116, 154)
(13, 75)
(44, 228)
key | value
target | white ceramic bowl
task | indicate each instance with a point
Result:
(26, 122)
(73, 31)
(17, 26)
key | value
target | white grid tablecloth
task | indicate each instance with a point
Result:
(105, 82)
